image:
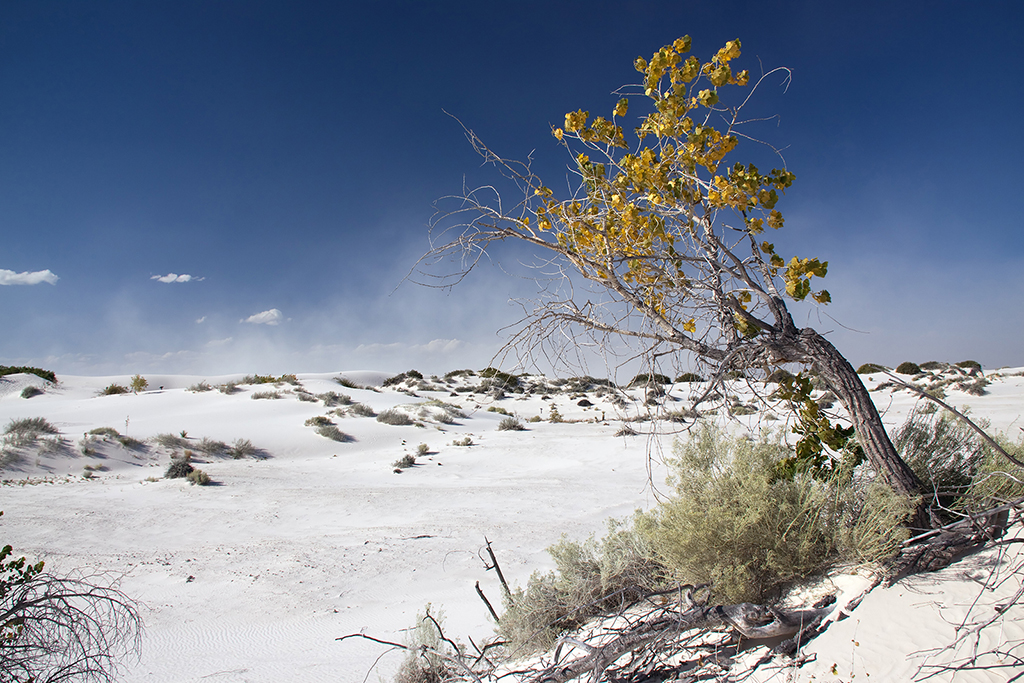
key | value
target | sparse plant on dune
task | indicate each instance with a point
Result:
(256, 395)
(138, 383)
(31, 391)
(200, 387)
(393, 417)
(113, 389)
(361, 410)
(333, 433)
(510, 424)
(198, 477)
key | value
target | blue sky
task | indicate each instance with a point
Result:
(241, 186)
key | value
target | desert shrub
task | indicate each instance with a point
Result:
(129, 442)
(332, 399)
(590, 578)
(256, 395)
(198, 477)
(553, 415)
(362, 410)
(333, 433)
(498, 409)
(105, 431)
(24, 369)
(318, 421)
(228, 388)
(510, 424)
(459, 373)
(171, 441)
(393, 417)
(450, 408)
(30, 425)
(307, 397)
(138, 383)
(289, 379)
(401, 377)
(869, 369)
(211, 446)
(733, 525)
(200, 387)
(179, 468)
(625, 430)
(500, 379)
(687, 377)
(932, 365)
(258, 379)
(421, 665)
(535, 418)
(422, 449)
(742, 409)
(242, 448)
(113, 389)
(30, 391)
(969, 365)
(779, 375)
(643, 379)
(405, 462)
(996, 481)
(908, 368)
(346, 382)
(464, 441)
(974, 387)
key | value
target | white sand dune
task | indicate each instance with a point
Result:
(252, 579)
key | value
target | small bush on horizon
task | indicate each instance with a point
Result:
(48, 375)
(969, 365)
(908, 368)
(688, 377)
(113, 389)
(510, 424)
(346, 382)
(228, 388)
(30, 391)
(138, 383)
(402, 377)
(870, 369)
(394, 417)
(200, 387)
(459, 373)
(105, 431)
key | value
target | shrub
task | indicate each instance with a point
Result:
(307, 397)
(870, 369)
(687, 377)
(933, 365)
(258, 379)
(105, 431)
(347, 383)
(332, 399)
(501, 379)
(643, 379)
(393, 417)
(908, 368)
(243, 448)
(113, 389)
(23, 369)
(421, 665)
(256, 395)
(590, 578)
(129, 442)
(625, 430)
(399, 378)
(200, 387)
(969, 365)
(318, 421)
(459, 373)
(179, 467)
(198, 477)
(405, 462)
(171, 441)
(510, 424)
(228, 388)
(138, 384)
(212, 446)
(30, 391)
(422, 449)
(498, 409)
(333, 433)
(780, 375)
(362, 410)
(553, 415)
(733, 525)
(464, 441)
(975, 387)
(30, 425)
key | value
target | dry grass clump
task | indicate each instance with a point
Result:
(200, 387)
(510, 424)
(113, 389)
(331, 432)
(361, 410)
(394, 417)
(256, 395)
(198, 477)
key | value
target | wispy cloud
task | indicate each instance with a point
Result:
(271, 317)
(9, 277)
(200, 321)
(174, 277)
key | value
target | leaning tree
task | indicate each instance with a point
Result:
(669, 231)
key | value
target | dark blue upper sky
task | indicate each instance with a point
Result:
(286, 155)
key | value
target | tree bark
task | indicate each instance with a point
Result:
(848, 387)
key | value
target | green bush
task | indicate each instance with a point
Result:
(138, 383)
(105, 431)
(22, 369)
(733, 525)
(908, 368)
(643, 379)
(113, 389)
(969, 365)
(933, 365)
(30, 391)
(689, 377)
(401, 377)
(501, 379)
(394, 417)
(510, 424)
(870, 369)
(179, 467)
(498, 409)
(30, 425)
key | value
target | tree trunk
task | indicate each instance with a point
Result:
(871, 434)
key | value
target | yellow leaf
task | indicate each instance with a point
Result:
(622, 107)
(558, 133)
(682, 44)
(690, 326)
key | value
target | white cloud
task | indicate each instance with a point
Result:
(219, 342)
(174, 277)
(200, 321)
(9, 277)
(271, 317)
